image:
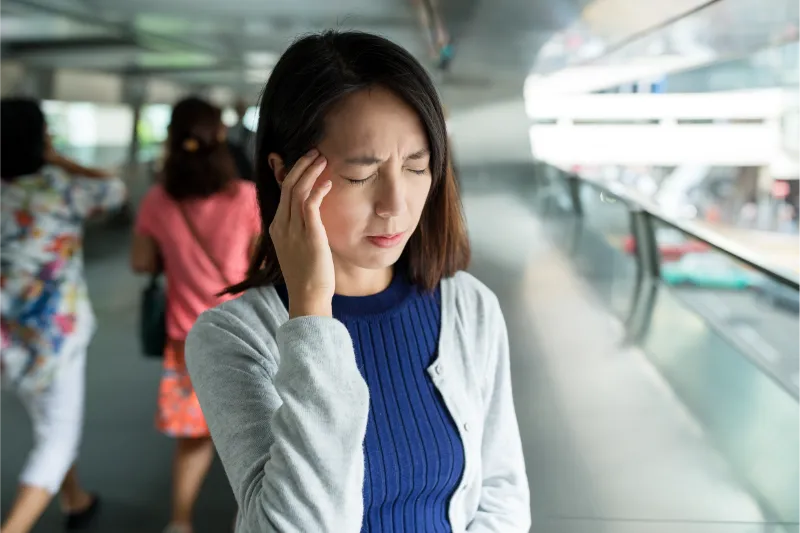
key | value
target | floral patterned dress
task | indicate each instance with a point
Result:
(43, 297)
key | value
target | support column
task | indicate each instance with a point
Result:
(134, 94)
(765, 202)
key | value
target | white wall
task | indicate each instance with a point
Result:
(12, 75)
(82, 86)
(164, 92)
(734, 128)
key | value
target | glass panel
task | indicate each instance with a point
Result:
(724, 336)
(746, 414)
(604, 252)
(754, 312)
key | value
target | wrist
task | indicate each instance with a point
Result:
(310, 309)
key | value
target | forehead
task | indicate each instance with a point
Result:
(374, 119)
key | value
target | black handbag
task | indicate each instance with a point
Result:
(153, 318)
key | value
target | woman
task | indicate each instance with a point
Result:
(200, 224)
(361, 380)
(47, 320)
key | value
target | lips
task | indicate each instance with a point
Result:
(386, 241)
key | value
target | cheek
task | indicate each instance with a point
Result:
(342, 213)
(418, 197)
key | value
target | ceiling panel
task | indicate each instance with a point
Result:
(27, 27)
(235, 43)
(330, 10)
(228, 30)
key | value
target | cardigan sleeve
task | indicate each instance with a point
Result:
(290, 440)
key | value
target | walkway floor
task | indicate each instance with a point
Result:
(608, 447)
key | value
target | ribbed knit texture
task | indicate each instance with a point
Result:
(414, 458)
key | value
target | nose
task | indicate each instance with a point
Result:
(390, 201)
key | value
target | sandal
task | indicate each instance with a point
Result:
(83, 519)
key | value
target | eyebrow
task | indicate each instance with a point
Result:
(369, 160)
(364, 160)
(419, 154)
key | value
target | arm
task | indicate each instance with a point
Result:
(144, 255)
(504, 506)
(90, 196)
(92, 190)
(71, 167)
(290, 436)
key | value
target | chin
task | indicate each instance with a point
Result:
(374, 258)
(381, 259)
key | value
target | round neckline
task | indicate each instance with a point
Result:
(379, 303)
(384, 304)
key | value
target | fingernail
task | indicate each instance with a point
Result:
(327, 184)
(313, 152)
(321, 159)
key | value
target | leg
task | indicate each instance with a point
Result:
(74, 499)
(179, 413)
(26, 510)
(57, 416)
(193, 457)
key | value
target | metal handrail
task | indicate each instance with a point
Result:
(719, 242)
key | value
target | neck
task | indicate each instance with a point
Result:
(361, 281)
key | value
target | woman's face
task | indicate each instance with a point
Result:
(378, 161)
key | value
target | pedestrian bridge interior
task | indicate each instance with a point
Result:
(653, 322)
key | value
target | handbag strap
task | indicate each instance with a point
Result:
(199, 242)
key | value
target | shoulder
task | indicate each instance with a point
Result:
(49, 187)
(246, 189)
(475, 317)
(472, 298)
(248, 323)
(55, 176)
(151, 206)
(155, 195)
(246, 193)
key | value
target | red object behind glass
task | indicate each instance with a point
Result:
(670, 251)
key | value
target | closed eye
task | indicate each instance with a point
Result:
(418, 172)
(359, 182)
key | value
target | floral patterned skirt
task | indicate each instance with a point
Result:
(179, 413)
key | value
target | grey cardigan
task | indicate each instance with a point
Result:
(287, 409)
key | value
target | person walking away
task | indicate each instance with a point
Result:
(46, 318)
(200, 225)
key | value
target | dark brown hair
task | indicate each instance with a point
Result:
(198, 163)
(315, 73)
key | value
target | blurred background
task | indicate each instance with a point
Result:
(629, 171)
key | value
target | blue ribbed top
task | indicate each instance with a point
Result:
(413, 454)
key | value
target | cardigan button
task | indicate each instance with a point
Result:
(466, 426)
(438, 369)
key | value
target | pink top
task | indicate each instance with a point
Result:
(227, 223)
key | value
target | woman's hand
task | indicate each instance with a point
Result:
(300, 239)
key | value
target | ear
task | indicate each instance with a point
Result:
(277, 166)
